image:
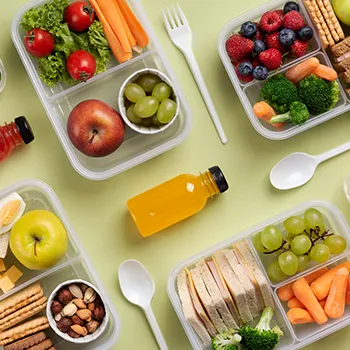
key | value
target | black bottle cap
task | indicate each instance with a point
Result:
(219, 178)
(25, 129)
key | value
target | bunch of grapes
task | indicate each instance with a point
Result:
(305, 239)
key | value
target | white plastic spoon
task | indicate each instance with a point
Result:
(138, 287)
(298, 168)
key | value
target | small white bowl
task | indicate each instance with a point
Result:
(82, 340)
(3, 76)
(146, 130)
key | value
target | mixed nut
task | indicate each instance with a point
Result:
(77, 310)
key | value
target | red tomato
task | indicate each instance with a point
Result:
(39, 43)
(79, 15)
(81, 65)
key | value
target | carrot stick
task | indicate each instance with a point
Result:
(113, 18)
(323, 303)
(295, 303)
(134, 25)
(325, 72)
(316, 274)
(299, 316)
(264, 111)
(302, 70)
(131, 38)
(304, 293)
(322, 285)
(335, 304)
(112, 39)
(347, 299)
(285, 293)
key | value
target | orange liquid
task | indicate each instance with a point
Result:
(171, 202)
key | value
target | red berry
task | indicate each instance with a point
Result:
(270, 22)
(260, 35)
(271, 59)
(280, 13)
(238, 47)
(272, 42)
(256, 62)
(244, 79)
(293, 20)
(299, 48)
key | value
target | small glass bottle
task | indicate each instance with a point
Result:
(175, 200)
(13, 135)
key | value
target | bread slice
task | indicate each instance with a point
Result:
(341, 48)
(346, 76)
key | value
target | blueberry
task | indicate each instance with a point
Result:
(291, 6)
(260, 73)
(248, 30)
(305, 34)
(287, 37)
(259, 46)
(245, 68)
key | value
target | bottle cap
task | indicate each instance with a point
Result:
(219, 178)
(24, 129)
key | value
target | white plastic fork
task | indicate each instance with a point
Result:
(180, 34)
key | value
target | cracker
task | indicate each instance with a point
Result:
(328, 20)
(24, 329)
(334, 19)
(44, 345)
(27, 342)
(22, 314)
(20, 299)
(323, 23)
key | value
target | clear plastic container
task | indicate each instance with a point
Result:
(294, 337)
(3, 76)
(61, 99)
(74, 265)
(249, 93)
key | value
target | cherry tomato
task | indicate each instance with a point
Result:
(79, 15)
(39, 43)
(81, 65)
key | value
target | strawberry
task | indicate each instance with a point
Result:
(293, 20)
(271, 59)
(272, 42)
(270, 22)
(238, 47)
(299, 48)
(280, 13)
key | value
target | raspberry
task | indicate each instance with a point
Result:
(270, 22)
(271, 59)
(272, 42)
(238, 47)
(293, 20)
(299, 48)
(280, 13)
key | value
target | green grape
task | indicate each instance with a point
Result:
(148, 81)
(314, 218)
(288, 263)
(295, 225)
(155, 121)
(146, 107)
(275, 273)
(303, 260)
(320, 253)
(147, 122)
(336, 244)
(130, 113)
(257, 243)
(161, 91)
(271, 237)
(134, 92)
(166, 111)
(301, 244)
(288, 240)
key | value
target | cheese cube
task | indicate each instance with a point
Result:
(2, 265)
(6, 284)
(13, 273)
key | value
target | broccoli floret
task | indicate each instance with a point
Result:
(228, 340)
(279, 93)
(318, 95)
(297, 115)
(262, 337)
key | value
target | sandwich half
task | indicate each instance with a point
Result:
(215, 295)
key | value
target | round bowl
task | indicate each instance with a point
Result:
(146, 130)
(82, 340)
(3, 76)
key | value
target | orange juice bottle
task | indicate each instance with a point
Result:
(175, 200)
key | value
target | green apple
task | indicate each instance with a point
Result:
(342, 10)
(38, 240)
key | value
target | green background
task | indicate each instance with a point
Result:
(97, 210)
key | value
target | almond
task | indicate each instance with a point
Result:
(79, 330)
(9, 211)
(79, 303)
(84, 314)
(91, 307)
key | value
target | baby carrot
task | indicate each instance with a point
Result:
(299, 316)
(323, 284)
(325, 72)
(302, 70)
(323, 303)
(285, 293)
(347, 300)
(264, 111)
(304, 293)
(335, 304)
(295, 303)
(314, 275)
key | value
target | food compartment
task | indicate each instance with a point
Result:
(308, 330)
(334, 222)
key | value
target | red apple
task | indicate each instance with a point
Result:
(95, 128)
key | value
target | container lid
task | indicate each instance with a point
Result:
(219, 178)
(24, 129)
